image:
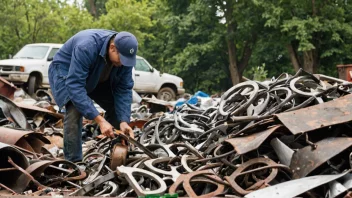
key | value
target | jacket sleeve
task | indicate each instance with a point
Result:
(123, 95)
(82, 58)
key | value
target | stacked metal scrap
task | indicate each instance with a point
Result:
(283, 138)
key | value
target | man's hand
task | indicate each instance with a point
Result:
(124, 127)
(105, 127)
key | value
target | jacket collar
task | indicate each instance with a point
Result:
(103, 50)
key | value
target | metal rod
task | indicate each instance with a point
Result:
(73, 184)
(26, 173)
(266, 167)
(7, 169)
(7, 188)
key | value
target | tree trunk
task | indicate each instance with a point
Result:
(93, 8)
(309, 61)
(235, 76)
(293, 57)
(231, 26)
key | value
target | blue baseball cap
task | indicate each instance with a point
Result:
(127, 45)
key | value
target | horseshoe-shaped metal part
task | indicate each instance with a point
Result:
(128, 173)
(173, 172)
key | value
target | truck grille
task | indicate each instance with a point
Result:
(6, 68)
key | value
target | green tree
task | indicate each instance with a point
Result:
(128, 15)
(34, 21)
(312, 31)
(96, 7)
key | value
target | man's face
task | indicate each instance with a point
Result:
(114, 56)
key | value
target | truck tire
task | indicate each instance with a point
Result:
(167, 94)
(32, 85)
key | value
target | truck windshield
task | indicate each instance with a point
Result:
(32, 52)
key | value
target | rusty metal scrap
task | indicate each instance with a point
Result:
(7, 89)
(330, 113)
(253, 143)
(245, 144)
(305, 160)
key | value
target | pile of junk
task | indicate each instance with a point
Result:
(290, 136)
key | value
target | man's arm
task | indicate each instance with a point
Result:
(82, 58)
(123, 95)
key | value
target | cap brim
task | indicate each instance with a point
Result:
(127, 60)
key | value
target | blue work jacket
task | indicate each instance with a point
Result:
(75, 72)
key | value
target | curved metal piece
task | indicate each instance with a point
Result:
(184, 160)
(118, 156)
(302, 93)
(28, 140)
(229, 93)
(10, 178)
(297, 186)
(284, 152)
(172, 172)
(129, 174)
(245, 144)
(244, 167)
(113, 191)
(87, 188)
(139, 145)
(189, 147)
(305, 160)
(184, 129)
(13, 112)
(93, 175)
(164, 147)
(186, 179)
(336, 189)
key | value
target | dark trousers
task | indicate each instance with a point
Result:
(102, 95)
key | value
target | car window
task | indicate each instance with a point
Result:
(53, 52)
(32, 52)
(141, 65)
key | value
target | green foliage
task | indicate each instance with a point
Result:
(35, 21)
(259, 73)
(189, 38)
(128, 15)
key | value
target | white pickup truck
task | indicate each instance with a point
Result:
(29, 68)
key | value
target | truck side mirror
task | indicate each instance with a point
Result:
(50, 59)
(152, 69)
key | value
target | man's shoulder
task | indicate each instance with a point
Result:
(92, 37)
(94, 33)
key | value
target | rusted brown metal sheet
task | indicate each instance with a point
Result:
(245, 144)
(23, 139)
(118, 156)
(7, 89)
(318, 116)
(137, 123)
(25, 107)
(305, 160)
(9, 178)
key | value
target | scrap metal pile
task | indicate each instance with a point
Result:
(282, 138)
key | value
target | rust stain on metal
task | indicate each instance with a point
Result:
(23, 139)
(7, 89)
(245, 144)
(9, 178)
(118, 156)
(305, 160)
(318, 116)
(244, 167)
(35, 108)
(186, 179)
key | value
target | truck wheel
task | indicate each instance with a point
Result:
(167, 94)
(32, 85)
